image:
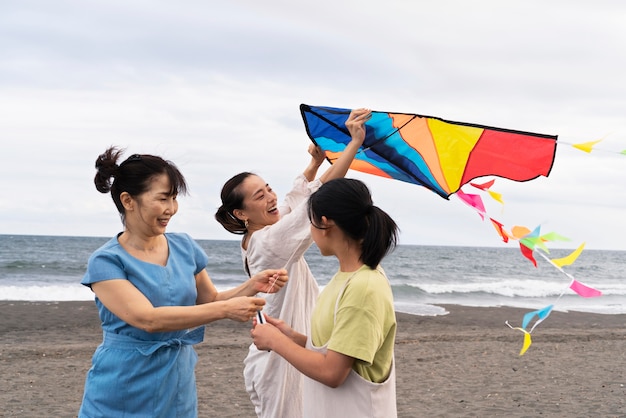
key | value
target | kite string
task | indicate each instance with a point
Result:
(560, 269)
(541, 319)
(289, 261)
(562, 293)
(543, 315)
(260, 317)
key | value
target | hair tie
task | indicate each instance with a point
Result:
(134, 157)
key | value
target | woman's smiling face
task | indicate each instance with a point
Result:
(260, 205)
(154, 208)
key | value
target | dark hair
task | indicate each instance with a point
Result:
(232, 199)
(348, 203)
(134, 175)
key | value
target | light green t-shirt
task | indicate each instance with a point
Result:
(365, 324)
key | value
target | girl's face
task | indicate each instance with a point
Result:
(153, 209)
(259, 202)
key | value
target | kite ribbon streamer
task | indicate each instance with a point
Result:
(500, 229)
(586, 146)
(541, 313)
(566, 261)
(474, 201)
(527, 340)
(528, 253)
(486, 188)
(584, 290)
(578, 287)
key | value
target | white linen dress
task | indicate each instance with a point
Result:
(275, 386)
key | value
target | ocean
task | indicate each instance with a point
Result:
(49, 268)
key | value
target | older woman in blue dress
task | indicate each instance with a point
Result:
(153, 295)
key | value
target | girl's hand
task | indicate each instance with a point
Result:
(280, 325)
(264, 335)
(243, 308)
(356, 123)
(269, 281)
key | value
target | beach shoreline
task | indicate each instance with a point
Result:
(464, 363)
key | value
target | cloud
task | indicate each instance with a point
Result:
(216, 89)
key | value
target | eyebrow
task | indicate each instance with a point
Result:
(166, 194)
(260, 190)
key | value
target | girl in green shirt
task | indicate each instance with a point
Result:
(348, 359)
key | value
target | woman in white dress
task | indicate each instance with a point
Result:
(348, 356)
(275, 236)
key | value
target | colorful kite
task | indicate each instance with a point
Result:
(444, 156)
(432, 152)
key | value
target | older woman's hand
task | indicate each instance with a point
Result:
(243, 308)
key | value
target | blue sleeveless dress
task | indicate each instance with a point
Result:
(135, 373)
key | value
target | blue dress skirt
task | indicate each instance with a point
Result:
(135, 373)
(157, 379)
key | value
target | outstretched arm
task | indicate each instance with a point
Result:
(330, 368)
(122, 298)
(267, 281)
(317, 158)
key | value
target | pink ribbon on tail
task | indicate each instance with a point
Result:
(584, 290)
(474, 201)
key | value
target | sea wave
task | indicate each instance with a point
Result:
(513, 288)
(66, 292)
(38, 268)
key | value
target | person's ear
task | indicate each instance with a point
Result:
(326, 224)
(239, 214)
(127, 201)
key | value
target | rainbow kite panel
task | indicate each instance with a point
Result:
(437, 154)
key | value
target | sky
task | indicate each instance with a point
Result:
(215, 87)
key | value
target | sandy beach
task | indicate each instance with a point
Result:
(465, 363)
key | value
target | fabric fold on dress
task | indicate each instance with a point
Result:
(148, 348)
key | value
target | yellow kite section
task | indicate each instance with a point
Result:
(453, 145)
